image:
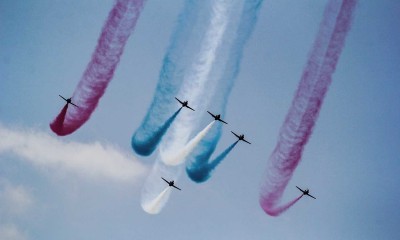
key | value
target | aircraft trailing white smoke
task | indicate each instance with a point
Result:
(180, 158)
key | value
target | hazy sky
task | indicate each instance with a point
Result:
(87, 185)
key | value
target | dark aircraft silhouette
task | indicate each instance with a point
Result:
(170, 183)
(68, 100)
(305, 192)
(217, 117)
(184, 104)
(240, 137)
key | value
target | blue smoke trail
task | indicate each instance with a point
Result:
(213, 32)
(170, 78)
(201, 173)
(203, 152)
(146, 144)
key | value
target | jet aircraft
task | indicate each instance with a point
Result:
(184, 104)
(240, 137)
(68, 100)
(217, 117)
(305, 192)
(170, 183)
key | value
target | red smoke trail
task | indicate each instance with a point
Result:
(306, 105)
(119, 25)
(58, 122)
(278, 210)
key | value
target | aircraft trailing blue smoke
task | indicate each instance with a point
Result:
(146, 144)
(203, 64)
(200, 157)
(148, 135)
(201, 173)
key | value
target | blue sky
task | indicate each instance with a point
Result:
(80, 189)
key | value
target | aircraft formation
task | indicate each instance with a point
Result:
(217, 117)
(338, 29)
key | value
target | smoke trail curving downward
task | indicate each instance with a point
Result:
(194, 61)
(198, 85)
(278, 210)
(145, 142)
(116, 31)
(176, 59)
(200, 66)
(201, 173)
(303, 113)
(192, 83)
(231, 66)
(59, 121)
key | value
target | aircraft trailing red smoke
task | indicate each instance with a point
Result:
(100, 70)
(300, 120)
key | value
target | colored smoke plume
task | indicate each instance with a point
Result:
(300, 120)
(100, 70)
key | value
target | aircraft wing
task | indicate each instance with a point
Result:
(211, 114)
(300, 189)
(222, 121)
(246, 141)
(310, 196)
(62, 97)
(165, 180)
(179, 100)
(190, 108)
(235, 134)
(176, 187)
(74, 104)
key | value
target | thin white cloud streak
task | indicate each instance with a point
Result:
(93, 160)
(180, 158)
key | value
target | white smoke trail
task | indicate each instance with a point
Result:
(180, 158)
(197, 86)
(154, 186)
(155, 206)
